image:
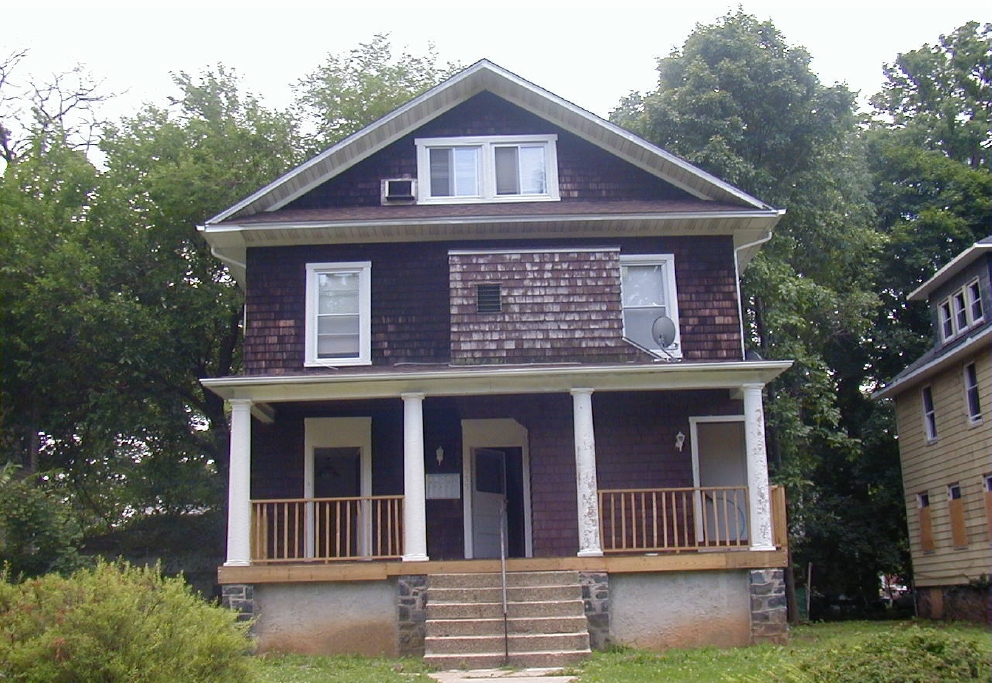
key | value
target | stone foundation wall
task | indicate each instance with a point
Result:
(596, 596)
(769, 612)
(239, 597)
(411, 606)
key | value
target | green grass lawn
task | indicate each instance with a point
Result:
(702, 665)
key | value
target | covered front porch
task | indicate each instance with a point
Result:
(672, 463)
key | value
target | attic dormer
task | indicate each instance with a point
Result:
(959, 295)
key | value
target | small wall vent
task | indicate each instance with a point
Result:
(488, 298)
(399, 191)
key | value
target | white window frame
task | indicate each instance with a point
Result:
(487, 168)
(313, 271)
(970, 372)
(929, 414)
(671, 305)
(960, 303)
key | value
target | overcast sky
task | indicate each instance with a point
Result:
(591, 53)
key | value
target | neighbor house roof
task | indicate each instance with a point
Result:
(961, 261)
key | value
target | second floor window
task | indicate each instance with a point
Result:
(338, 314)
(649, 296)
(487, 169)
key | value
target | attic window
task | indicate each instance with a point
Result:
(488, 298)
(487, 169)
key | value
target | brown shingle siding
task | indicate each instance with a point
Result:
(561, 302)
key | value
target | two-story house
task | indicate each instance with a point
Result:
(492, 325)
(943, 402)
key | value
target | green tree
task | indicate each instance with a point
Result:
(929, 143)
(351, 90)
(738, 100)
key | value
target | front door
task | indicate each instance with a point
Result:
(488, 501)
(719, 461)
(496, 487)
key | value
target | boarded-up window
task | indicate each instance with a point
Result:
(955, 505)
(926, 524)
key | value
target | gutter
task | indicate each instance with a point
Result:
(737, 280)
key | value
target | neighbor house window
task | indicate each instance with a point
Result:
(488, 169)
(971, 397)
(975, 302)
(649, 302)
(338, 314)
(929, 415)
(926, 524)
(960, 311)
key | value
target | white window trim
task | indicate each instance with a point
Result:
(364, 270)
(929, 417)
(946, 311)
(487, 170)
(673, 297)
(973, 419)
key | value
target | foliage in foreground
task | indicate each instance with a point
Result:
(915, 655)
(813, 654)
(117, 624)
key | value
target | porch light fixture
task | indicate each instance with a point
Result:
(439, 454)
(679, 441)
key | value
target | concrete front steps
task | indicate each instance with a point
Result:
(546, 623)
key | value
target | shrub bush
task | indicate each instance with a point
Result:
(914, 655)
(116, 623)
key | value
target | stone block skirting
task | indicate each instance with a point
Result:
(769, 618)
(955, 603)
(596, 596)
(239, 597)
(411, 614)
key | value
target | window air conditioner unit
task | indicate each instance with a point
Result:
(399, 191)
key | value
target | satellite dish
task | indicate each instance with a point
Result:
(663, 332)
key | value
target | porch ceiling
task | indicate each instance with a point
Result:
(487, 380)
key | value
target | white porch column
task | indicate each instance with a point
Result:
(757, 468)
(414, 495)
(239, 486)
(585, 474)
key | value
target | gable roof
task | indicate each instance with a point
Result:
(255, 218)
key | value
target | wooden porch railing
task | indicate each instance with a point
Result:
(327, 529)
(681, 519)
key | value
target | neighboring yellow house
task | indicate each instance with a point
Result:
(944, 414)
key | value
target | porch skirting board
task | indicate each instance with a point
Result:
(649, 610)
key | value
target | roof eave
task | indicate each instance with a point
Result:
(924, 372)
(942, 276)
(476, 380)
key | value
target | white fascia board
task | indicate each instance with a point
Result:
(962, 260)
(770, 216)
(933, 367)
(474, 381)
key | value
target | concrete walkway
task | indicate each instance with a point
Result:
(502, 676)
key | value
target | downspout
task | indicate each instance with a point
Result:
(737, 282)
